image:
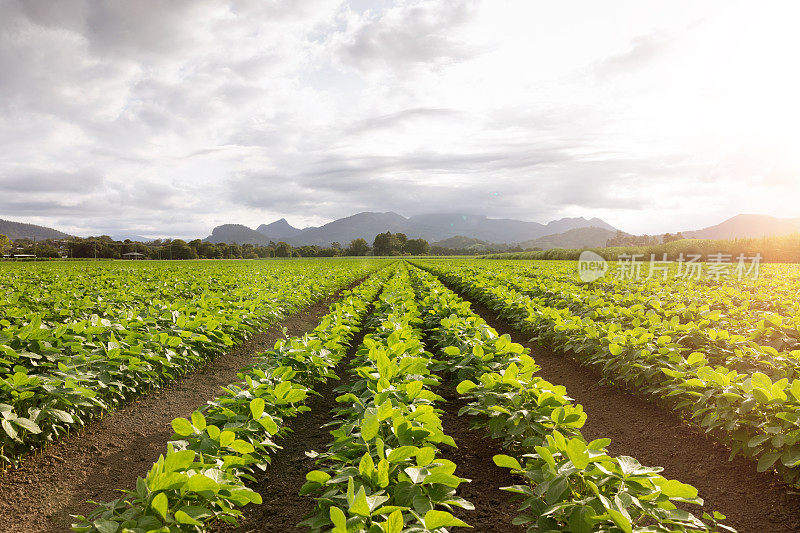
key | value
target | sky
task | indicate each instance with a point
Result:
(167, 118)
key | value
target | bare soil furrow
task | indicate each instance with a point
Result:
(656, 436)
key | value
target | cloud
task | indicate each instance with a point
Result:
(43, 182)
(171, 117)
(642, 51)
(408, 35)
(402, 118)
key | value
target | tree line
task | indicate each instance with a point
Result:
(104, 247)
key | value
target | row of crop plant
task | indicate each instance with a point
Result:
(755, 414)
(383, 471)
(56, 376)
(568, 483)
(201, 478)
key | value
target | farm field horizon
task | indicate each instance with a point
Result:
(398, 394)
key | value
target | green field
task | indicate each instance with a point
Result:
(78, 340)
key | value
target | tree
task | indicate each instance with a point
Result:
(417, 247)
(382, 245)
(358, 247)
(5, 244)
(182, 250)
(283, 249)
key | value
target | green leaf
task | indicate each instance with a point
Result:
(180, 460)
(506, 461)
(198, 420)
(8, 428)
(465, 386)
(318, 476)
(366, 466)
(106, 526)
(360, 506)
(621, 520)
(579, 521)
(182, 518)
(269, 424)
(182, 427)
(395, 524)
(369, 427)
(241, 446)
(28, 424)
(673, 488)
(226, 438)
(766, 461)
(63, 416)
(435, 519)
(338, 518)
(402, 453)
(257, 408)
(578, 454)
(199, 483)
(426, 455)
(160, 504)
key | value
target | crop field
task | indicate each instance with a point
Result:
(396, 395)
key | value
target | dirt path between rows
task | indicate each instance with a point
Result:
(279, 485)
(494, 509)
(656, 436)
(110, 453)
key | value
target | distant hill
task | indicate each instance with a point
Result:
(20, 230)
(344, 230)
(278, 230)
(432, 227)
(237, 233)
(575, 238)
(742, 226)
(459, 241)
(130, 236)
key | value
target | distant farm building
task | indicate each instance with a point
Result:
(133, 255)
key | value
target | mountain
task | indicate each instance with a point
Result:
(591, 237)
(130, 236)
(236, 233)
(344, 230)
(459, 241)
(278, 230)
(742, 226)
(494, 230)
(20, 230)
(566, 224)
(432, 227)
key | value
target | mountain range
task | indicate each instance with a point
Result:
(447, 230)
(432, 227)
(591, 237)
(743, 226)
(20, 230)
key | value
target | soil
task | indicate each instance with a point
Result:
(494, 509)
(279, 486)
(111, 452)
(656, 436)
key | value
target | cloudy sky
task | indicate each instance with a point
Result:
(169, 117)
